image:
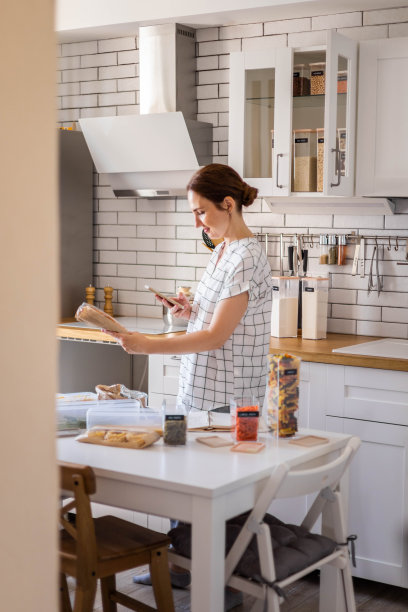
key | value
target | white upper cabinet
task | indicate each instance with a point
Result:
(382, 144)
(292, 118)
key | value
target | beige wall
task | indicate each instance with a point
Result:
(28, 262)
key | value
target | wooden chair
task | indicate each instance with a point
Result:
(276, 569)
(92, 549)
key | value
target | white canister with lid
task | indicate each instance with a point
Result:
(285, 304)
(314, 307)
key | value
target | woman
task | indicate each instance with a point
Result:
(227, 340)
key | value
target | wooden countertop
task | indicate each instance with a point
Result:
(319, 351)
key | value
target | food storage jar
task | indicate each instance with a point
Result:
(304, 160)
(320, 158)
(317, 78)
(324, 249)
(283, 395)
(314, 307)
(244, 418)
(174, 424)
(285, 303)
(342, 138)
(301, 80)
(342, 81)
(332, 242)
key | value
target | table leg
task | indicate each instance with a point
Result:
(208, 555)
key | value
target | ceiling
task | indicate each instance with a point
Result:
(82, 20)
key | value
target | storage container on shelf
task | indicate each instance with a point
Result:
(342, 138)
(301, 80)
(285, 304)
(317, 78)
(342, 81)
(320, 158)
(304, 160)
(314, 307)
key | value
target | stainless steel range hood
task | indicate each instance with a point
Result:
(155, 153)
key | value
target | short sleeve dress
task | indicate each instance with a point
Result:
(209, 379)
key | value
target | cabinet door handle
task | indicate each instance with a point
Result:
(175, 357)
(277, 170)
(338, 170)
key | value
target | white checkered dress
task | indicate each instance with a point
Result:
(209, 379)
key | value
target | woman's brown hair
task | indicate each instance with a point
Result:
(217, 181)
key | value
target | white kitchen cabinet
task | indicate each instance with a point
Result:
(163, 379)
(265, 144)
(378, 499)
(382, 143)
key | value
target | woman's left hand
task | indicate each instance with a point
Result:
(133, 342)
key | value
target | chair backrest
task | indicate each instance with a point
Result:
(313, 476)
(287, 482)
(80, 481)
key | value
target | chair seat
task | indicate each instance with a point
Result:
(117, 538)
(294, 548)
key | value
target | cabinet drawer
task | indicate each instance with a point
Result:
(368, 394)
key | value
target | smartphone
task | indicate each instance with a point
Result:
(165, 297)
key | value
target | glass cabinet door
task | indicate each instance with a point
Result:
(340, 117)
(292, 118)
(257, 93)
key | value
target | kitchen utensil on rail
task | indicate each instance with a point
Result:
(281, 255)
(378, 285)
(290, 261)
(362, 258)
(355, 259)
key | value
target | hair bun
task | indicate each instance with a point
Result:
(248, 195)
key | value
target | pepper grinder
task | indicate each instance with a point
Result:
(108, 308)
(90, 294)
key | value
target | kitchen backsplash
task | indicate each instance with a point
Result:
(140, 242)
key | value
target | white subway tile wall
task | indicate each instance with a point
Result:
(140, 241)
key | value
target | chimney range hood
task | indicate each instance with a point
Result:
(154, 154)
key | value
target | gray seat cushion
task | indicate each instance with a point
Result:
(294, 548)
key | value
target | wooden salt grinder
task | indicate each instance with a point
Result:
(90, 295)
(108, 308)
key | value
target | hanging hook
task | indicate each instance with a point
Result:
(311, 241)
(396, 243)
(389, 243)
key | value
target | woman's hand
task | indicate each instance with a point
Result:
(179, 312)
(133, 342)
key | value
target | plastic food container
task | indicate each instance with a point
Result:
(304, 160)
(71, 409)
(122, 412)
(317, 78)
(174, 425)
(320, 158)
(314, 307)
(301, 80)
(342, 81)
(244, 418)
(285, 304)
(283, 395)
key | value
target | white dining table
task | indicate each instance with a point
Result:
(197, 484)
